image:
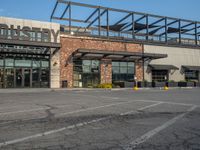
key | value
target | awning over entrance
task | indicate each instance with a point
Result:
(197, 68)
(162, 67)
(115, 55)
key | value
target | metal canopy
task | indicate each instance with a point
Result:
(194, 68)
(104, 22)
(117, 27)
(162, 67)
(115, 55)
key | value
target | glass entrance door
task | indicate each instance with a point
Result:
(1, 78)
(27, 77)
(19, 77)
(23, 77)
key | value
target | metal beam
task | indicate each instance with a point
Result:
(64, 12)
(196, 38)
(91, 15)
(107, 21)
(54, 9)
(188, 25)
(133, 26)
(157, 21)
(128, 25)
(99, 15)
(166, 25)
(140, 18)
(120, 10)
(70, 17)
(73, 20)
(124, 18)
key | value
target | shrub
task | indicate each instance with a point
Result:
(105, 85)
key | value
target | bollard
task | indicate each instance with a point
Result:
(166, 88)
(135, 88)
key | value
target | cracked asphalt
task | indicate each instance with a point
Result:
(100, 119)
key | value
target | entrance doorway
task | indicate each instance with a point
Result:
(23, 77)
(24, 71)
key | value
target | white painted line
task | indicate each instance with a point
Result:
(22, 111)
(93, 108)
(64, 128)
(155, 131)
(172, 103)
(51, 132)
(140, 109)
(109, 97)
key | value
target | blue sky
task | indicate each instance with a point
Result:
(41, 9)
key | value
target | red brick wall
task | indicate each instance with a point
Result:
(106, 71)
(71, 44)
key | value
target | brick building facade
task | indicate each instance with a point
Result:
(71, 43)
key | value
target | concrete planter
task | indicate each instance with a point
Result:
(159, 84)
(186, 84)
(182, 84)
(129, 84)
(197, 84)
(172, 84)
(142, 84)
(190, 84)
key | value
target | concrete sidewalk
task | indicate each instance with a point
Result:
(39, 90)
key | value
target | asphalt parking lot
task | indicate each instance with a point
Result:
(100, 119)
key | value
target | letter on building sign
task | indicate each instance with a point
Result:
(55, 35)
(26, 32)
(46, 35)
(15, 33)
(3, 31)
(37, 34)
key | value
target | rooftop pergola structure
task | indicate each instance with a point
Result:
(114, 23)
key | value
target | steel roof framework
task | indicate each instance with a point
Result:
(132, 25)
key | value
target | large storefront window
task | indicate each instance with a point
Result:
(18, 71)
(123, 71)
(86, 73)
(159, 75)
(191, 75)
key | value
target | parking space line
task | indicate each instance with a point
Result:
(124, 98)
(6, 143)
(93, 108)
(22, 111)
(140, 109)
(155, 131)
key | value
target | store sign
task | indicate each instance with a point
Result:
(28, 33)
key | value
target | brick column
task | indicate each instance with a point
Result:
(139, 71)
(106, 71)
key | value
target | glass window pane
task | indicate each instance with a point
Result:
(1, 62)
(23, 63)
(123, 69)
(36, 63)
(86, 69)
(123, 64)
(95, 63)
(9, 62)
(45, 63)
(114, 63)
(115, 70)
(86, 62)
(131, 64)
(131, 70)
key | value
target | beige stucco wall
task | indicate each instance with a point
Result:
(177, 56)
